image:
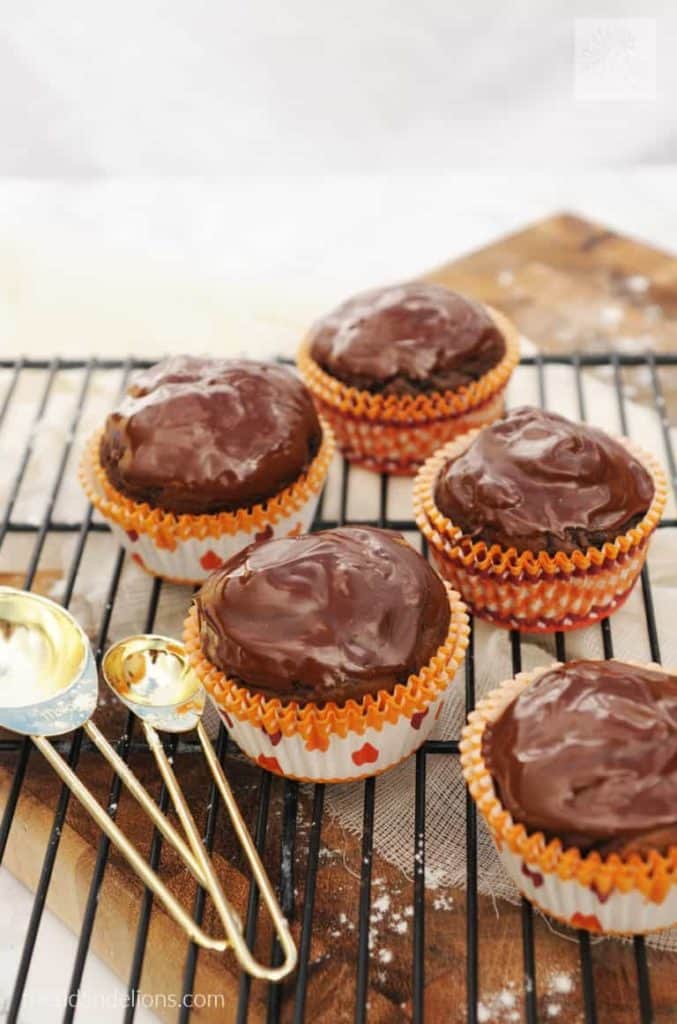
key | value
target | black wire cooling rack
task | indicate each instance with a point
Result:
(43, 375)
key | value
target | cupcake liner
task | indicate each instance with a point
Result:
(187, 548)
(535, 592)
(395, 434)
(624, 895)
(335, 742)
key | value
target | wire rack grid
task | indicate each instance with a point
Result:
(44, 374)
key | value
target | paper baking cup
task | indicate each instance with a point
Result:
(535, 592)
(187, 548)
(615, 895)
(395, 434)
(332, 742)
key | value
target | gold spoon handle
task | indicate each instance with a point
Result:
(228, 915)
(134, 858)
(262, 880)
(142, 796)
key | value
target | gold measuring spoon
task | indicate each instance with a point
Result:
(151, 675)
(49, 686)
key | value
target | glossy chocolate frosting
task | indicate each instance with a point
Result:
(406, 340)
(324, 616)
(538, 482)
(210, 435)
(588, 754)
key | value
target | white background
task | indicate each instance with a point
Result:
(305, 88)
(213, 175)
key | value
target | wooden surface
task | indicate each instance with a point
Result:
(557, 280)
(570, 285)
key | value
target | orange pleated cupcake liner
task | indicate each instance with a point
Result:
(317, 724)
(653, 876)
(535, 591)
(399, 450)
(395, 434)
(167, 528)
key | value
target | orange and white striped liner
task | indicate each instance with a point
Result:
(166, 534)
(535, 591)
(318, 730)
(396, 434)
(595, 886)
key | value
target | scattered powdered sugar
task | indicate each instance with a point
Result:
(501, 1006)
(505, 278)
(381, 904)
(390, 918)
(611, 316)
(558, 984)
(507, 998)
(637, 283)
(442, 902)
(561, 983)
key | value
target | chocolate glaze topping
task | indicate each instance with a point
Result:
(210, 435)
(538, 482)
(406, 340)
(324, 616)
(588, 754)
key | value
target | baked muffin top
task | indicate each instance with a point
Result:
(210, 435)
(588, 754)
(324, 616)
(408, 339)
(536, 481)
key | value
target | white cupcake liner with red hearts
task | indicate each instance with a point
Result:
(335, 742)
(346, 758)
(583, 905)
(187, 548)
(616, 894)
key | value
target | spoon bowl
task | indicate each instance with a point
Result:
(150, 674)
(48, 679)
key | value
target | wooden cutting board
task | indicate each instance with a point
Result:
(568, 284)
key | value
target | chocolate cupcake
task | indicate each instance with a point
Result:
(408, 340)
(574, 768)
(327, 655)
(204, 455)
(541, 523)
(398, 371)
